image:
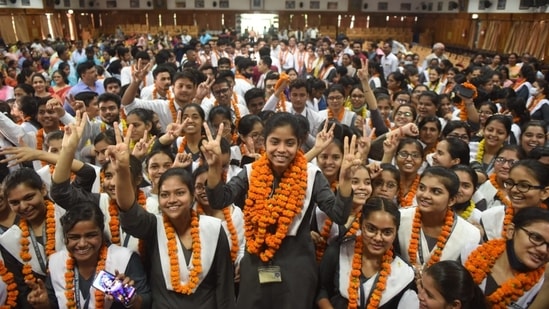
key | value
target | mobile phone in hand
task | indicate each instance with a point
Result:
(109, 284)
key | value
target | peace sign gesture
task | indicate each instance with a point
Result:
(119, 154)
(141, 70)
(363, 73)
(365, 142)
(351, 161)
(323, 139)
(211, 149)
(204, 88)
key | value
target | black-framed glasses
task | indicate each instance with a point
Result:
(463, 137)
(405, 114)
(405, 155)
(221, 91)
(535, 238)
(381, 183)
(522, 187)
(502, 161)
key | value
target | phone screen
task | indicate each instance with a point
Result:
(108, 284)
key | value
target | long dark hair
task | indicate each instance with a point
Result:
(454, 282)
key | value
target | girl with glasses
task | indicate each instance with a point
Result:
(336, 110)
(485, 111)
(386, 183)
(510, 269)
(408, 154)
(493, 191)
(363, 271)
(527, 185)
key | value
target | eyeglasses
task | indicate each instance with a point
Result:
(381, 183)
(371, 231)
(464, 137)
(502, 161)
(221, 91)
(336, 98)
(199, 187)
(405, 155)
(405, 114)
(535, 238)
(522, 187)
(402, 101)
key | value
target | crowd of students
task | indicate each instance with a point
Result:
(299, 175)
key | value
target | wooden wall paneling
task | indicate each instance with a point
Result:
(185, 18)
(361, 21)
(230, 20)
(313, 20)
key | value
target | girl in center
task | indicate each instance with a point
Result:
(432, 232)
(363, 271)
(278, 269)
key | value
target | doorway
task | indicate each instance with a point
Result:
(259, 23)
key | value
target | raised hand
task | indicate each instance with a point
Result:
(183, 160)
(375, 169)
(363, 73)
(351, 159)
(119, 154)
(73, 131)
(364, 142)
(21, 154)
(141, 70)
(409, 129)
(38, 296)
(211, 148)
(142, 147)
(204, 88)
(56, 105)
(325, 137)
(175, 129)
(390, 143)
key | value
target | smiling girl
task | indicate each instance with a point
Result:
(501, 265)
(527, 185)
(493, 190)
(432, 232)
(495, 132)
(280, 252)
(27, 245)
(365, 265)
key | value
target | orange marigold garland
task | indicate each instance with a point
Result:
(355, 225)
(354, 278)
(69, 280)
(499, 193)
(114, 222)
(408, 199)
(281, 105)
(25, 242)
(11, 289)
(463, 114)
(174, 260)
(340, 115)
(230, 226)
(50, 228)
(262, 211)
(173, 110)
(441, 240)
(480, 263)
